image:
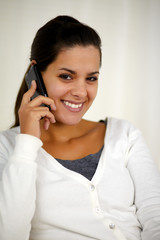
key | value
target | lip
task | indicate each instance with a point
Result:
(78, 109)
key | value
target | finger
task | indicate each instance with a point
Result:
(38, 113)
(43, 100)
(46, 123)
(43, 112)
(27, 96)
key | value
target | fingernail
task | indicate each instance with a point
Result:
(53, 121)
(53, 107)
(32, 82)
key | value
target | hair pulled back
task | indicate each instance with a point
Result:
(57, 34)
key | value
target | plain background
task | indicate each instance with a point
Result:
(129, 85)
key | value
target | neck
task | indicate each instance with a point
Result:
(61, 132)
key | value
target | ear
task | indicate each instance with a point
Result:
(33, 62)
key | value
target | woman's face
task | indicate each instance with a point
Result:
(72, 81)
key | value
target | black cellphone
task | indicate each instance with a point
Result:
(35, 74)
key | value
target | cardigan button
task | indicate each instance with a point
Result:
(111, 225)
(98, 210)
(92, 187)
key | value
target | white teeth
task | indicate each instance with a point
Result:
(72, 105)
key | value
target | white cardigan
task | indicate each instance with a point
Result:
(42, 200)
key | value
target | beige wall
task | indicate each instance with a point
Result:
(129, 85)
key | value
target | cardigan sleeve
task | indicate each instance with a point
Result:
(18, 186)
(146, 179)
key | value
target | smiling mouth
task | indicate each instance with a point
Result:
(73, 106)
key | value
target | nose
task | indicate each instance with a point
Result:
(79, 89)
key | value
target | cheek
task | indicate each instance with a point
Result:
(93, 93)
(56, 91)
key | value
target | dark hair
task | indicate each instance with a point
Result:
(59, 33)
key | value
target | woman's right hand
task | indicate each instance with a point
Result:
(30, 112)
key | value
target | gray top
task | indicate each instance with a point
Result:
(85, 166)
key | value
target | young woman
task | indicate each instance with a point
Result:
(62, 177)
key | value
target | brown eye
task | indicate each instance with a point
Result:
(92, 79)
(65, 76)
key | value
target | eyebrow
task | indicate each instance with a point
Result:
(73, 72)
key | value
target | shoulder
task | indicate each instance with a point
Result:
(9, 134)
(7, 143)
(7, 139)
(121, 127)
(122, 136)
